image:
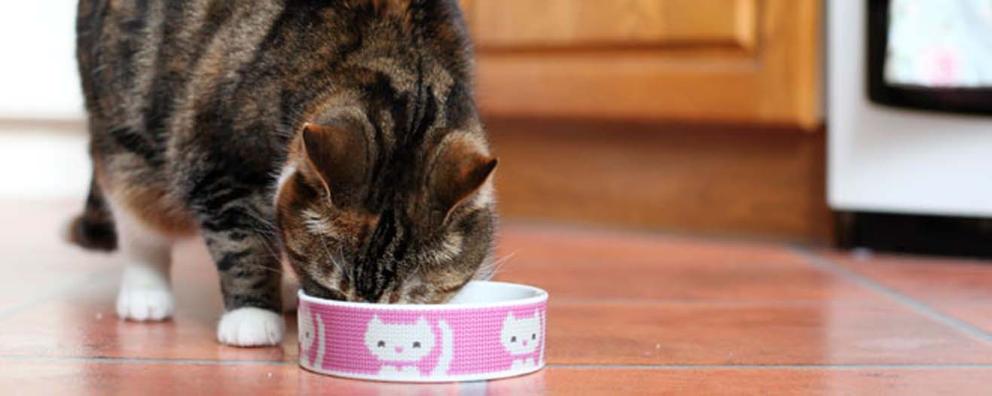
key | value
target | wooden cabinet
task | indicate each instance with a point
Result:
(750, 61)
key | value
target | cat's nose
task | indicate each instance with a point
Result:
(398, 349)
(525, 342)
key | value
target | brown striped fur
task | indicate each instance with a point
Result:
(366, 106)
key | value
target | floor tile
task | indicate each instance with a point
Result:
(976, 313)
(99, 378)
(84, 324)
(108, 377)
(664, 333)
(96, 378)
(959, 288)
(81, 321)
(649, 333)
(36, 262)
(768, 381)
(630, 313)
(586, 265)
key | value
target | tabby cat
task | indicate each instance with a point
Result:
(338, 136)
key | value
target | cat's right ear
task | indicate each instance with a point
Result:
(338, 157)
(461, 169)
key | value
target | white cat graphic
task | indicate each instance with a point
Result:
(400, 348)
(311, 336)
(520, 337)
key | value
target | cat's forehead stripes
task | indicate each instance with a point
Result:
(406, 87)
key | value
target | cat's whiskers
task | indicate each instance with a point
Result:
(346, 274)
(334, 262)
(490, 267)
(262, 267)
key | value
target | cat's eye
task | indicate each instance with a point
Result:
(513, 339)
(382, 344)
(416, 344)
(533, 336)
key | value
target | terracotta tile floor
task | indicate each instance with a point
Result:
(631, 313)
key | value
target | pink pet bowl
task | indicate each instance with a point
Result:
(489, 330)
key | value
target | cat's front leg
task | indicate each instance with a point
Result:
(242, 245)
(145, 293)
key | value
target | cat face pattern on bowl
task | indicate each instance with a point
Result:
(422, 345)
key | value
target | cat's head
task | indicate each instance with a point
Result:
(399, 342)
(369, 220)
(521, 335)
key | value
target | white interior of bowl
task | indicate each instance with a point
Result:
(483, 292)
(475, 294)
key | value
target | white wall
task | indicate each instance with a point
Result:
(38, 164)
(38, 81)
(38, 69)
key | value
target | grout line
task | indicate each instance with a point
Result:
(208, 362)
(768, 366)
(652, 302)
(145, 361)
(919, 307)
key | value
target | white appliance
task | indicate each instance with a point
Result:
(891, 160)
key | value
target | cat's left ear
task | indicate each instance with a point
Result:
(338, 156)
(461, 169)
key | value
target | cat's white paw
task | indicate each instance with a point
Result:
(250, 326)
(145, 304)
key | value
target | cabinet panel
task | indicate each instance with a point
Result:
(749, 61)
(520, 24)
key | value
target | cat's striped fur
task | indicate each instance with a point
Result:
(364, 106)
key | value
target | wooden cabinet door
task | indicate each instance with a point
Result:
(753, 61)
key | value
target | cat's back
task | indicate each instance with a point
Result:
(143, 65)
(137, 58)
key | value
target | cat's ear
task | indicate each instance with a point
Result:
(461, 169)
(376, 322)
(337, 156)
(422, 322)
